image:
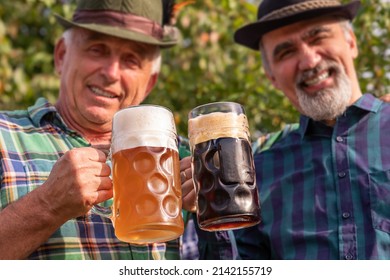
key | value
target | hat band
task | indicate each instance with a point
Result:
(298, 8)
(129, 21)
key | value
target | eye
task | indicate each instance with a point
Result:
(132, 61)
(317, 36)
(97, 50)
(284, 54)
(283, 51)
(317, 40)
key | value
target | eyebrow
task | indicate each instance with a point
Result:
(280, 47)
(306, 36)
(137, 47)
(315, 31)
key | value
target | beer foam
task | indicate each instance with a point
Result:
(217, 125)
(144, 125)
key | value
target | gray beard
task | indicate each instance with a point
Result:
(330, 103)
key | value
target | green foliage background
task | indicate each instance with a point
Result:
(207, 66)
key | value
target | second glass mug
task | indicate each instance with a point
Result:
(146, 176)
(223, 167)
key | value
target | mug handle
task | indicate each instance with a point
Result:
(105, 211)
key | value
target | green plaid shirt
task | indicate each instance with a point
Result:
(31, 141)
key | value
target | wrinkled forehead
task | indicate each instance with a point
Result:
(89, 36)
(300, 30)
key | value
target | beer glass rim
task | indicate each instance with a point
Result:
(229, 104)
(166, 111)
(145, 124)
(144, 105)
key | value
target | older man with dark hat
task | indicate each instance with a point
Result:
(53, 168)
(325, 187)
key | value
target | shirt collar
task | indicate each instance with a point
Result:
(43, 110)
(367, 102)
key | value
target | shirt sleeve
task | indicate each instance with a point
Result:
(184, 147)
(216, 245)
(251, 245)
(265, 141)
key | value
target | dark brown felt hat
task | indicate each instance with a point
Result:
(136, 20)
(273, 14)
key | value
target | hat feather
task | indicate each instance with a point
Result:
(168, 11)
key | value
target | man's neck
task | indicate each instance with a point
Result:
(96, 137)
(329, 123)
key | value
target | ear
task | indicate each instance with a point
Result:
(351, 40)
(59, 53)
(152, 82)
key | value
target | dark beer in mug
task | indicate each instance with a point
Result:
(223, 169)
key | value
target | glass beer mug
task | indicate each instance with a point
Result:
(223, 167)
(146, 175)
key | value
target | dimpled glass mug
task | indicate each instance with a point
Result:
(223, 167)
(146, 175)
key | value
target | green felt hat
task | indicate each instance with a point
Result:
(136, 20)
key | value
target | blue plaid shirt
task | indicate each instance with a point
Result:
(325, 191)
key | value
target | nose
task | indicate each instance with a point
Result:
(111, 69)
(309, 58)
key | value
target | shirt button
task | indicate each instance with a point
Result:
(342, 174)
(339, 139)
(348, 257)
(346, 215)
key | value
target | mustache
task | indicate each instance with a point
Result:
(325, 65)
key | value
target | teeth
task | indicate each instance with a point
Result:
(317, 80)
(100, 92)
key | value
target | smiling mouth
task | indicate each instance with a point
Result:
(101, 92)
(316, 80)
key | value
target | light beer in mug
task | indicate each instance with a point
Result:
(146, 176)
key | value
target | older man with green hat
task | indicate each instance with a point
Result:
(324, 187)
(53, 168)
